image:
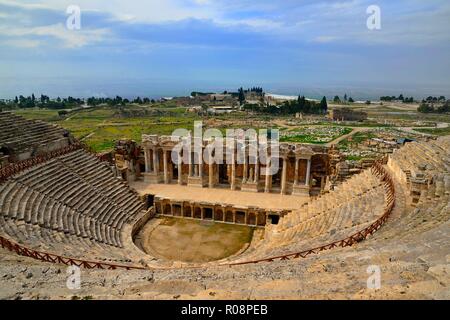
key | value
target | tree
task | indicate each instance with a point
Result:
(368, 102)
(323, 105)
(444, 108)
(16, 100)
(351, 100)
(345, 97)
(241, 96)
(425, 108)
(336, 99)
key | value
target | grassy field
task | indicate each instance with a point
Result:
(437, 132)
(99, 128)
(358, 137)
(314, 134)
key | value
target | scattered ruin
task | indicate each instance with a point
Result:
(347, 114)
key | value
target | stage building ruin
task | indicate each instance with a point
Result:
(303, 169)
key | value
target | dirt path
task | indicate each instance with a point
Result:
(345, 136)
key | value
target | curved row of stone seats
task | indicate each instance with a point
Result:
(424, 167)
(332, 217)
(87, 168)
(102, 197)
(22, 203)
(51, 241)
(356, 186)
(425, 217)
(73, 196)
(22, 134)
(439, 188)
(427, 157)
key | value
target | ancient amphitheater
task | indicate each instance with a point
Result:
(61, 205)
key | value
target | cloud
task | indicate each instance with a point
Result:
(325, 39)
(22, 43)
(70, 39)
(296, 21)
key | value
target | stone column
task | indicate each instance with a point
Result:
(191, 167)
(245, 173)
(308, 172)
(268, 177)
(233, 171)
(296, 171)
(256, 173)
(155, 161)
(200, 166)
(147, 160)
(180, 169)
(211, 175)
(166, 169)
(283, 176)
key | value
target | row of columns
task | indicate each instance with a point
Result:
(196, 170)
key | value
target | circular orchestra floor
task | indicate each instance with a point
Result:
(193, 241)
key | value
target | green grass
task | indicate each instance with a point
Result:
(38, 114)
(316, 135)
(358, 137)
(354, 158)
(437, 131)
(100, 127)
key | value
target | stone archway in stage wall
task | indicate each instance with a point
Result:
(208, 213)
(218, 214)
(167, 209)
(240, 217)
(229, 216)
(176, 210)
(197, 213)
(187, 211)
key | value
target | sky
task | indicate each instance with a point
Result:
(160, 48)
